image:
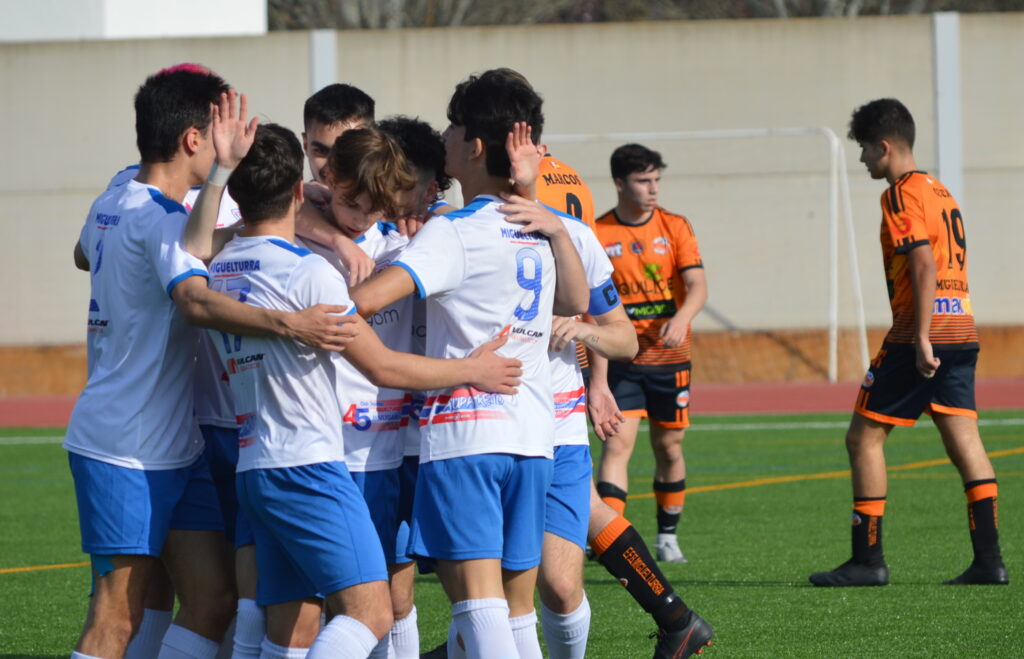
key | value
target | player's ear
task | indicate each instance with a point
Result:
(477, 150)
(305, 143)
(618, 184)
(433, 189)
(299, 193)
(191, 139)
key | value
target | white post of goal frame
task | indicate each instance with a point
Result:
(838, 192)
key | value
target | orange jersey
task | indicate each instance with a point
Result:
(917, 210)
(562, 188)
(649, 260)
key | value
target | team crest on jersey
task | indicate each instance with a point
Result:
(636, 247)
(869, 379)
(683, 399)
(246, 429)
(613, 250)
(660, 245)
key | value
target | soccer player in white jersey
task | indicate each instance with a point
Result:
(485, 461)
(143, 491)
(311, 523)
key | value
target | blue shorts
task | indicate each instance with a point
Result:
(380, 489)
(481, 506)
(567, 507)
(129, 511)
(313, 531)
(406, 495)
(221, 455)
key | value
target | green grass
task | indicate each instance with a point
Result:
(750, 549)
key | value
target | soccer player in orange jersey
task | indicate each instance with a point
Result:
(660, 278)
(927, 360)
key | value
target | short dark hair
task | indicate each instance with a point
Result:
(264, 182)
(338, 102)
(883, 119)
(421, 144)
(169, 103)
(634, 158)
(488, 105)
(369, 160)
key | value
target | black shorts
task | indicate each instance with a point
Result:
(664, 397)
(894, 392)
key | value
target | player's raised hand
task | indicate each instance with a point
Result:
(604, 412)
(233, 134)
(494, 373)
(532, 215)
(322, 326)
(523, 155)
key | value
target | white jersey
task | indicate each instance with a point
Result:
(566, 378)
(213, 403)
(285, 406)
(414, 400)
(136, 409)
(482, 276)
(374, 416)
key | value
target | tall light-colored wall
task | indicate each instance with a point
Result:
(759, 206)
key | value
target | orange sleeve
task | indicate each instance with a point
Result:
(684, 241)
(903, 213)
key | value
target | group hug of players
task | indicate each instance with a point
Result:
(283, 473)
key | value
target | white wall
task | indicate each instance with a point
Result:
(758, 206)
(63, 20)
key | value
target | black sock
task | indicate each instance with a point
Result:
(983, 520)
(613, 495)
(669, 497)
(866, 532)
(629, 561)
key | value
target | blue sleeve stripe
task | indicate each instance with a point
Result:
(194, 272)
(603, 298)
(420, 291)
(351, 310)
(561, 214)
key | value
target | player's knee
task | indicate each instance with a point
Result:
(118, 627)
(401, 605)
(379, 620)
(216, 605)
(561, 592)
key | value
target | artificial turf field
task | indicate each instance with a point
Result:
(768, 503)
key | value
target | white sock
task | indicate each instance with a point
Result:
(455, 649)
(566, 634)
(250, 628)
(524, 631)
(484, 627)
(227, 644)
(343, 638)
(79, 655)
(405, 638)
(146, 642)
(275, 651)
(181, 643)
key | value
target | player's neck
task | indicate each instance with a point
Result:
(171, 178)
(282, 227)
(474, 186)
(899, 165)
(632, 214)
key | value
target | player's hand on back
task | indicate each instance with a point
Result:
(317, 194)
(321, 326)
(563, 330)
(494, 373)
(532, 215)
(232, 136)
(358, 263)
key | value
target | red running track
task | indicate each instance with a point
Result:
(54, 411)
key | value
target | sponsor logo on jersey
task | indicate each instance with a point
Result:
(570, 402)
(869, 379)
(952, 306)
(230, 267)
(463, 404)
(93, 306)
(105, 220)
(525, 335)
(636, 247)
(652, 271)
(97, 324)
(245, 363)
(660, 245)
(683, 399)
(650, 310)
(384, 317)
(613, 250)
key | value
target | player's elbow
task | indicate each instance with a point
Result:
(629, 341)
(191, 304)
(81, 261)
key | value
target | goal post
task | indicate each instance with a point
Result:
(839, 213)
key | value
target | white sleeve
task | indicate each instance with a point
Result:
(167, 255)
(435, 258)
(315, 281)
